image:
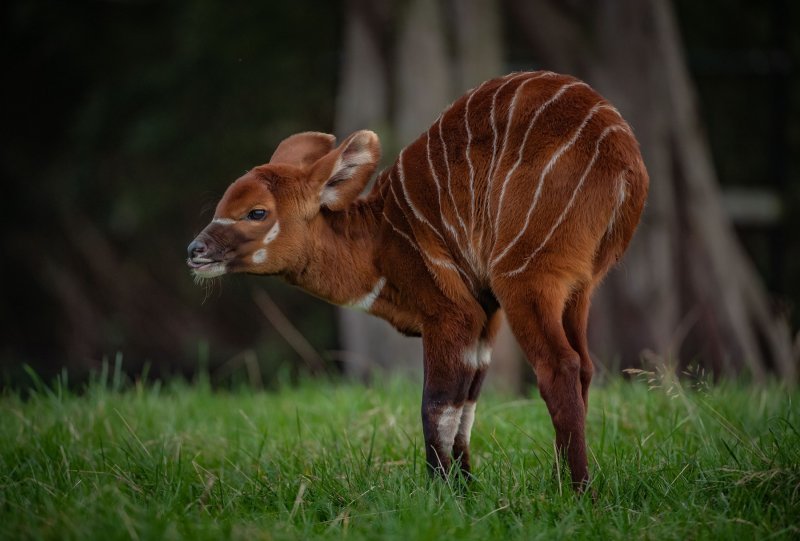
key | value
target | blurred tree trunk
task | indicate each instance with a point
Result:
(686, 290)
(365, 101)
(403, 63)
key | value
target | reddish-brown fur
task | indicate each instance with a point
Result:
(468, 223)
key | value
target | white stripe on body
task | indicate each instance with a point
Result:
(469, 162)
(450, 228)
(608, 130)
(402, 234)
(493, 121)
(447, 167)
(417, 214)
(447, 225)
(435, 261)
(411, 241)
(425, 255)
(492, 163)
(469, 253)
(547, 168)
(511, 110)
(622, 186)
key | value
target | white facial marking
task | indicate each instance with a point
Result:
(366, 302)
(223, 221)
(449, 422)
(259, 256)
(272, 233)
(467, 420)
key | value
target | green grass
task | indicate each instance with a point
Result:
(340, 460)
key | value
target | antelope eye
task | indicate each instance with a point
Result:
(257, 215)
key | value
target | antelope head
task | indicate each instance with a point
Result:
(265, 220)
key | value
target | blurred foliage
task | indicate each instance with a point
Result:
(131, 118)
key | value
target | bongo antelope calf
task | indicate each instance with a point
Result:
(517, 200)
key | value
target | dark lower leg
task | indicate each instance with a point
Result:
(536, 318)
(483, 350)
(560, 388)
(440, 422)
(448, 379)
(461, 444)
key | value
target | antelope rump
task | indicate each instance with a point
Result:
(517, 200)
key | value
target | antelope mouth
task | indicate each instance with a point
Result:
(204, 267)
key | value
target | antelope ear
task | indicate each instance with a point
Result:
(303, 149)
(343, 173)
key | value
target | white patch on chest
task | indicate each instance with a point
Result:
(259, 256)
(478, 355)
(273, 232)
(366, 302)
(448, 425)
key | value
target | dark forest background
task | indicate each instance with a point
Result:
(124, 122)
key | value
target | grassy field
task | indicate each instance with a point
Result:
(339, 460)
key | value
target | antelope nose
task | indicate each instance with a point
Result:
(196, 248)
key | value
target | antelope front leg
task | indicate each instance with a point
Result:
(461, 445)
(449, 377)
(478, 356)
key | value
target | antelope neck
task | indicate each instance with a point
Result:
(342, 246)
